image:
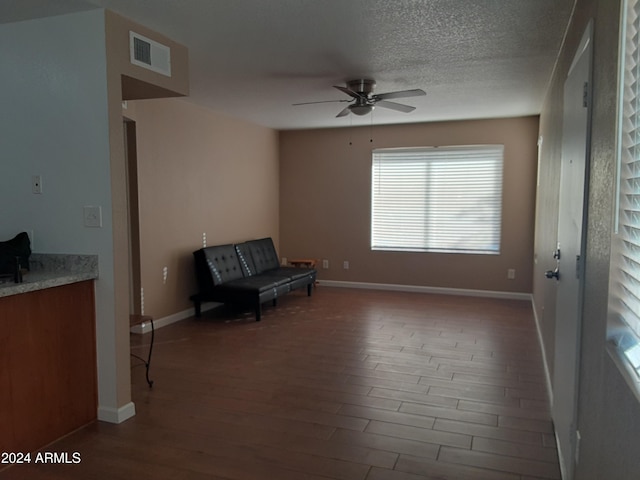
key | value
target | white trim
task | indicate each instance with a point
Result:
(117, 415)
(547, 376)
(560, 50)
(425, 289)
(563, 466)
(547, 373)
(173, 318)
(584, 44)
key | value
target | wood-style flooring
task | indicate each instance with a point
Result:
(347, 385)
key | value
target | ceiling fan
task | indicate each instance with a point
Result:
(364, 101)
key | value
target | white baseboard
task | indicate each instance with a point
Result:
(176, 317)
(547, 376)
(168, 320)
(563, 466)
(117, 415)
(424, 289)
(162, 322)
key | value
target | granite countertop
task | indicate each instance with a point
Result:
(52, 270)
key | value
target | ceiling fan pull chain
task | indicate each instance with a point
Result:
(371, 129)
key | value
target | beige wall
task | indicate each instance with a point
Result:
(608, 411)
(199, 172)
(325, 197)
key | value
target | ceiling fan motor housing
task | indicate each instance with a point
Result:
(363, 86)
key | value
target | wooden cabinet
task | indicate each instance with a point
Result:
(48, 379)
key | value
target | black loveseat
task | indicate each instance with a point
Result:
(248, 273)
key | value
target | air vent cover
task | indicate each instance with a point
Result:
(147, 53)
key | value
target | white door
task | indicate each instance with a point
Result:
(570, 254)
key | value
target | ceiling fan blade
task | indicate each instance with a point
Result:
(395, 106)
(400, 94)
(321, 101)
(344, 112)
(348, 91)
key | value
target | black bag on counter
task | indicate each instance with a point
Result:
(15, 254)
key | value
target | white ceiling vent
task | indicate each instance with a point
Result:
(150, 54)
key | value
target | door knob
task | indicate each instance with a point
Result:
(552, 274)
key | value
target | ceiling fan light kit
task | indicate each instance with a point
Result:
(361, 109)
(363, 101)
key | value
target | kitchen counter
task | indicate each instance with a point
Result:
(52, 270)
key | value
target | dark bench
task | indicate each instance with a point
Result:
(248, 273)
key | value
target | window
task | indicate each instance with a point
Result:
(437, 199)
(624, 291)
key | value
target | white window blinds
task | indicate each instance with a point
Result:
(437, 199)
(624, 305)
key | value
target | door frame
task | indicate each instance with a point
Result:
(568, 459)
(133, 213)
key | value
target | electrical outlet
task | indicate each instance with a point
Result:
(325, 263)
(345, 264)
(511, 273)
(283, 261)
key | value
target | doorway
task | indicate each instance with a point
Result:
(131, 159)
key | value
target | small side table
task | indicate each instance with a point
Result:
(141, 320)
(306, 263)
(303, 262)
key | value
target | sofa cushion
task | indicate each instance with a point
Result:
(223, 263)
(263, 254)
(294, 273)
(255, 284)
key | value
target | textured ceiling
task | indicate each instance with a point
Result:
(253, 59)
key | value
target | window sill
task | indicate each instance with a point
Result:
(624, 366)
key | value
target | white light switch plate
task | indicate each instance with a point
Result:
(92, 216)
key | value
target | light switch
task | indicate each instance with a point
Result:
(92, 216)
